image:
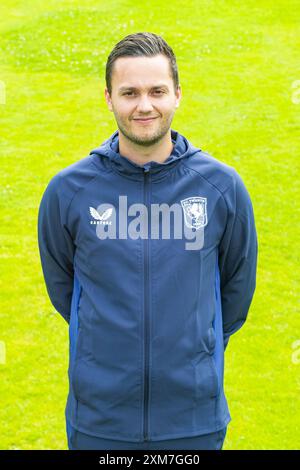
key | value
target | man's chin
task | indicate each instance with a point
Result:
(146, 142)
(143, 140)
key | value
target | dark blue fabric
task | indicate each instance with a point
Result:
(82, 441)
(149, 319)
(69, 431)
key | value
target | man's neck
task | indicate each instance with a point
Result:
(140, 154)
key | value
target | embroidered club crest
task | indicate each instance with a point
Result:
(195, 212)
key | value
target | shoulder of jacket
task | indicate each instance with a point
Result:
(218, 173)
(74, 177)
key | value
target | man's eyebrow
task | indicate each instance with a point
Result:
(132, 88)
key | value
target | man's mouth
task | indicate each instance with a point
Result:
(144, 120)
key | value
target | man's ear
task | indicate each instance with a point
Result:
(108, 99)
(178, 96)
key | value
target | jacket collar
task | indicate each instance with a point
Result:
(123, 165)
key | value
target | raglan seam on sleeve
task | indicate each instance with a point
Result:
(76, 192)
(230, 186)
(212, 184)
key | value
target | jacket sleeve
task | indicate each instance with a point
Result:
(238, 252)
(56, 248)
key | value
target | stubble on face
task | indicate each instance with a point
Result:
(150, 137)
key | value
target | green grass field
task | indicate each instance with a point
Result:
(237, 63)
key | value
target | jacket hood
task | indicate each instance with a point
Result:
(110, 149)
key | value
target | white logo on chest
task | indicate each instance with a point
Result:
(195, 212)
(101, 219)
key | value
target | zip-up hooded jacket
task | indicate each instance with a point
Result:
(150, 312)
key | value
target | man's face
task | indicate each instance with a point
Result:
(142, 88)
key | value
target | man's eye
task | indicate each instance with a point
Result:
(130, 93)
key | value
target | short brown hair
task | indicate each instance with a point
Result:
(141, 44)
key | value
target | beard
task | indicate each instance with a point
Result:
(146, 140)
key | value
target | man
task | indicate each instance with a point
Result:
(148, 248)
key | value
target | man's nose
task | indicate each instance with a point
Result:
(144, 104)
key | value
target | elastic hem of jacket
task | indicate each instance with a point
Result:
(157, 437)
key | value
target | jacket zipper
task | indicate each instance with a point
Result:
(146, 314)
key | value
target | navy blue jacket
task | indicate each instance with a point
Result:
(149, 319)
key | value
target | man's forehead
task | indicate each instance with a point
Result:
(142, 66)
(142, 73)
(148, 61)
